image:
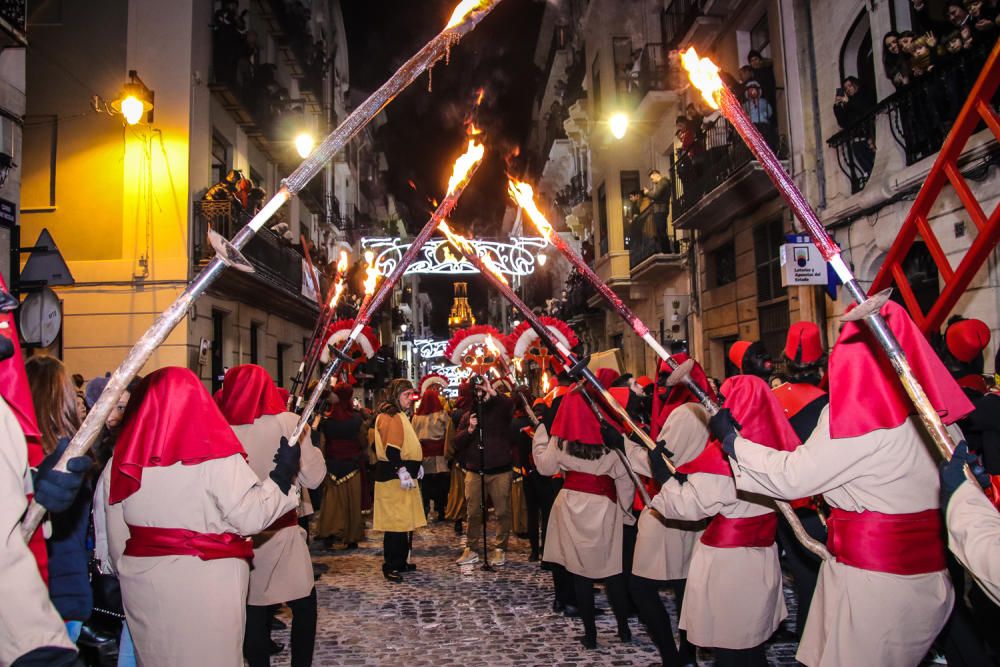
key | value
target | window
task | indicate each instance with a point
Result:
(282, 349)
(774, 323)
(630, 183)
(675, 21)
(621, 50)
(221, 155)
(721, 266)
(254, 343)
(760, 36)
(602, 219)
(767, 240)
(922, 274)
(857, 57)
(595, 85)
(39, 142)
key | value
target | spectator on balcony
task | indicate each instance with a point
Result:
(922, 19)
(689, 153)
(895, 61)
(228, 26)
(851, 108)
(923, 60)
(695, 120)
(763, 73)
(659, 195)
(634, 205)
(744, 75)
(761, 113)
(249, 58)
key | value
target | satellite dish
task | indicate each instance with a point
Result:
(41, 317)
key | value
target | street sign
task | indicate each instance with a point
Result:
(801, 264)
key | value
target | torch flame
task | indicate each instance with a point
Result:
(371, 273)
(465, 246)
(491, 344)
(704, 74)
(473, 130)
(545, 384)
(464, 164)
(479, 96)
(524, 196)
(342, 263)
(463, 9)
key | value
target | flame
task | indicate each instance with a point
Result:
(371, 273)
(704, 74)
(524, 196)
(545, 384)
(491, 344)
(473, 131)
(342, 263)
(479, 96)
(464, 164)
(463, 9)
(466, 247)
(410, 182)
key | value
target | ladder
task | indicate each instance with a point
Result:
(946, 170)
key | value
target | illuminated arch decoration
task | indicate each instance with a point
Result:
(429, 348)
(514, 258)
(454, 374)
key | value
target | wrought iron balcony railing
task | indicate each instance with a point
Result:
(645, 240)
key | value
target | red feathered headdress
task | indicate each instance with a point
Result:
(469, 348)
(365, 346)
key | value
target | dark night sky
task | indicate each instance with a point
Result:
(425, 131)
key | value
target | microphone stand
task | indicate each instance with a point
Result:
(482, 474)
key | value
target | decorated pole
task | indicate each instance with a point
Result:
(681, 372)
(704, 75)
(509, 375)
(466, 17)
(465, 167)
(308, 363)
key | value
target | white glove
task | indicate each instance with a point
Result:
(420, 473)
(405, 480)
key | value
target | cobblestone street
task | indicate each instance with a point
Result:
(446, 615)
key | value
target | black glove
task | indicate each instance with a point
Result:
(56, 490)
(725, 429)
(612, 438)
(286, 465)
(657, 465)
(953, 472)
(49, 656)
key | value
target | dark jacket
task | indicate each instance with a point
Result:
(497, 414)
(342, 445)
(521, 442)
(69, 558)
(660, 196)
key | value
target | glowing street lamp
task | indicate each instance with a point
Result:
(619, 125)
(135, 100)
(304, 144)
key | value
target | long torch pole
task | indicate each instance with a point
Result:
(369, 306)
(228, 253)
(718, 96)
(521, 193)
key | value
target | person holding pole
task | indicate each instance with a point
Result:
(398, 508)
(869, 458)
(282, 568)
(182, 498)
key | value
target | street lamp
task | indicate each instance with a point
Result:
(619, 125)
(304, 144)
(135, 100)
(542, 258)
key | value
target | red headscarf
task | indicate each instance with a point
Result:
(170, 418)
(666, 401)
(866, 395)
(430, 402)
(343, 409)
(576, 422)
(248, 392)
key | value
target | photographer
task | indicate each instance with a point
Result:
(495, 461)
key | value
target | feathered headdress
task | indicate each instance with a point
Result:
(470, 348)
(363, 348)
(523, 342)
(431, 379)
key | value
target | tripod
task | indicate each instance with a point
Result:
(482, 476)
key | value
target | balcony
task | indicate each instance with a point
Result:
(575, 308)
(655, 82)
(276, 283)
(12, 23)
(288, 23)
(651, 254)
(920, 117)
(573, 194)
(717, 179)
(688, 23)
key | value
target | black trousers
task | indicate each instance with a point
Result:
(617, 591)
(562, 582)
(435, 487)
(539, 494)
(257, 640)
(395, 547)
(741, 657)
(645, 594)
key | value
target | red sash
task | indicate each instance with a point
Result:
(584, 482)
(146, 541)
(892, 543)
(752, 531)
(432, 447)
(286, 520)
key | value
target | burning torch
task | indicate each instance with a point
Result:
(465, 166)
(704, 75)
(308, 364)
(467, 15)
(523, 195)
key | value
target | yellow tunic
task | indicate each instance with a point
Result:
(397, 510)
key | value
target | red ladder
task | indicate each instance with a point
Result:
(945, 170)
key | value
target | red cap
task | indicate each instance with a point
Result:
(737, 351)
(644, 381)
(803, 345)
(966, 339)
(576, 422)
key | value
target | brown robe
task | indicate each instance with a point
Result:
(182, 610)
(436, 426)
(282, 568)
(860, 617)
(585, 530)
(974, 536)
(663, 546)
(27, 618)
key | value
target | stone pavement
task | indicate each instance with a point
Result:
(444, 615)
